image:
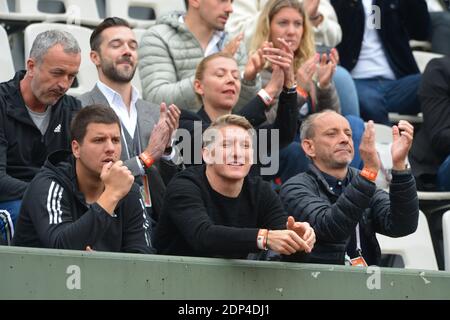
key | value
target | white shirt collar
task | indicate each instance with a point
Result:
(128, 120)
(213, 44)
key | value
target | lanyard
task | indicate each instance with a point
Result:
(358, 241)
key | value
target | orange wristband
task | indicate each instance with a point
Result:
(369, 174)
(146, 159)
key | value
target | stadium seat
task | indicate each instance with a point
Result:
(446, 235)
(413, 119)
(79, 12)
(422, 58)
(87, 75)
(416, 249)
(6, 61)
(11, 18)
(122, 9)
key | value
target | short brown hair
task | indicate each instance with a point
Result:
(96, 38)
(223, 121)
(96, 113)
(201, 67)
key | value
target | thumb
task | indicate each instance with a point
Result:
(106, 168)
(162, 109)
(290, 223)
(395, 133)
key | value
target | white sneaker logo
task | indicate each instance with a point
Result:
(58, 128)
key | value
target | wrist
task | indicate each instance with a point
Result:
(261, 239)
(316, 19)
(272, 89)
(266, 97)
(146, 159)
(399, 166)
(323, 86)
(248, 76)
(369, 174)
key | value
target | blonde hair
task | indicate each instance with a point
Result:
(306, 47)
(224, 121)
(201, 67)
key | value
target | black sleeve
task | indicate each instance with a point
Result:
(332, 222)
(396, 214)
(434, 94)
(416, 18)
(270, 210)
(137, 226)
(186, 207)
(286, 121)
(254, 111)
(10, 188)
(49, 206)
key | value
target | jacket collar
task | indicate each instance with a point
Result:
(313, 170)
(203, 115)
(16, 106)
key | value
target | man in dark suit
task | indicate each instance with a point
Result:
(146, 128)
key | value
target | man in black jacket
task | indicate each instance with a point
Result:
(217, 210)
(86, 201)
(341, 203)
(35, 116)
(375, 50)
(430, 153)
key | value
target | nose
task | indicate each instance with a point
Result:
(126, 50)
(344, 138)
(229, 7)
(291, 28)
(65, 82)
(230, 79)
(109, 146)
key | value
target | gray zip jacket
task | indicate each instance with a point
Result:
(168, 56)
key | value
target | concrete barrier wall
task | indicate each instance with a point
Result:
(27, 273)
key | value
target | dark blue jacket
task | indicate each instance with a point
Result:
(307, 197)
(401, 20)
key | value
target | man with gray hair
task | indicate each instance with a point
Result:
(343, 204)
(35, 115)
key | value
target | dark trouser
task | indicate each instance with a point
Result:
(378, 97)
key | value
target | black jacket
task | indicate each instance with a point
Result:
(432, 143)
(307, 196)
(54, 214)
(401, 20)
(193, 224)
(23, 149)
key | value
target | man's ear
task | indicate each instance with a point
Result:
(95, 58)
(31, 65)
(76, 149)
(207, 155)
(309, 148)
(193, 4)
(198, 87)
